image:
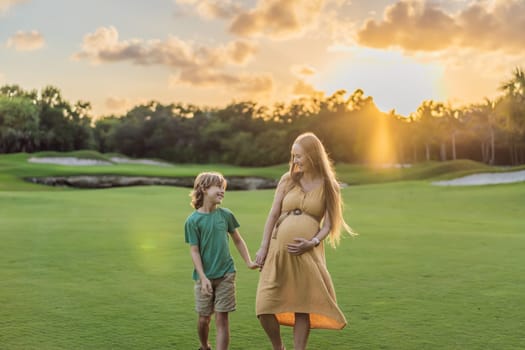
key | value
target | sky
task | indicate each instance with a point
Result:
(117, 54)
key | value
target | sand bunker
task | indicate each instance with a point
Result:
(78, 161)
(485, 179)
(68, 161)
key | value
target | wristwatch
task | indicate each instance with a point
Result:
(316, 241)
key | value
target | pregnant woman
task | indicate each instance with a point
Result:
(295, 287)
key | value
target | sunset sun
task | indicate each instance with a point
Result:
(392, 79)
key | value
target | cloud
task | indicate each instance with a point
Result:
(302, 88)
(337, 27)
(104, 46)
(303, 70)
(241, 52)
(340, 3)
(196, 65)
(278, 19)
(410, 25)
(217, 9)
(5, 5)
(211, 9)
(117, 104)
(423, 26)
(255, 84)
(252, 84)
(26, 41)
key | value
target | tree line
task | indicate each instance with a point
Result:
(246, 133)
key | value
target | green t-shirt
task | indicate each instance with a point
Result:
(209, 231)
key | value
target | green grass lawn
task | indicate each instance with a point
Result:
(432, 268)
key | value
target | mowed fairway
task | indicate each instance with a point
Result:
(432, 268)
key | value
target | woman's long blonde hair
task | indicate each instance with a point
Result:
(322, 165)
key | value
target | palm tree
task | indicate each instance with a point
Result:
(516, 85)
(490, 110)
(514, 111)
(427, 124)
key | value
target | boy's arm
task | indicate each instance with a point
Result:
(271, 220)
(197, 262)
(243, 249)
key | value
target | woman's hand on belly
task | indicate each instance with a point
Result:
(300, 246)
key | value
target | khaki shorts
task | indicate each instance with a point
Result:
(222, 299)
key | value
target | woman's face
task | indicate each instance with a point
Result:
(299, 158)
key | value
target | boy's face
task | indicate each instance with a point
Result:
(214, 194)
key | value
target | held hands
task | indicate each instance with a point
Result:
(260, 256)
(252, 265)
(301, 246)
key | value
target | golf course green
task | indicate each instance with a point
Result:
(432, 267)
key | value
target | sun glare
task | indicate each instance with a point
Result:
(393, 80)
(147, 244)
(382, 150)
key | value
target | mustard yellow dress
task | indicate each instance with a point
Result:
(291, 284)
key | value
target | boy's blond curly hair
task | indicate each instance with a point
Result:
(203, 181)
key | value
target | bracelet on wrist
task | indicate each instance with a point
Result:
(316, 241)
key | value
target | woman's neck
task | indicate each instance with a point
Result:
(309, 181)
(309, 177)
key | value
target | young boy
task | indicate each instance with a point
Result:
(206, 230)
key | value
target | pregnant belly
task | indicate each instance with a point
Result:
(296, 226)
